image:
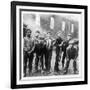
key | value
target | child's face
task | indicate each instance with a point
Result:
(68, 37)
(37, 34)
(58, 34)
(48, 35)
(28, 33)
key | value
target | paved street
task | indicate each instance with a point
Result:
(44, 73)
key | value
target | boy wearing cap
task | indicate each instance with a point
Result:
(48, 53)
(57, 44)
(28, 48)
(65, 44)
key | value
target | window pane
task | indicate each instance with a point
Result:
(52, 23)
(63, 25)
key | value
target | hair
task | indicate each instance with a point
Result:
(29, 30)
(49, 33)
(37, 31)
(69, 35)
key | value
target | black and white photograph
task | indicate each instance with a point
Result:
(49, 44)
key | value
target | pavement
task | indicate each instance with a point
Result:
(41, 72)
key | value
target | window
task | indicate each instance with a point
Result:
(38, 20)
(72, 28)
(63, 25)
(52, 23)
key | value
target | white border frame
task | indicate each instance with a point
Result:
(51, 79)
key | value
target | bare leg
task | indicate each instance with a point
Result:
(67, 66)
(36, 63)
(63, 59)
(75, 66)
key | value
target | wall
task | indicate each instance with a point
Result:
(5, 44)
(45, 24)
